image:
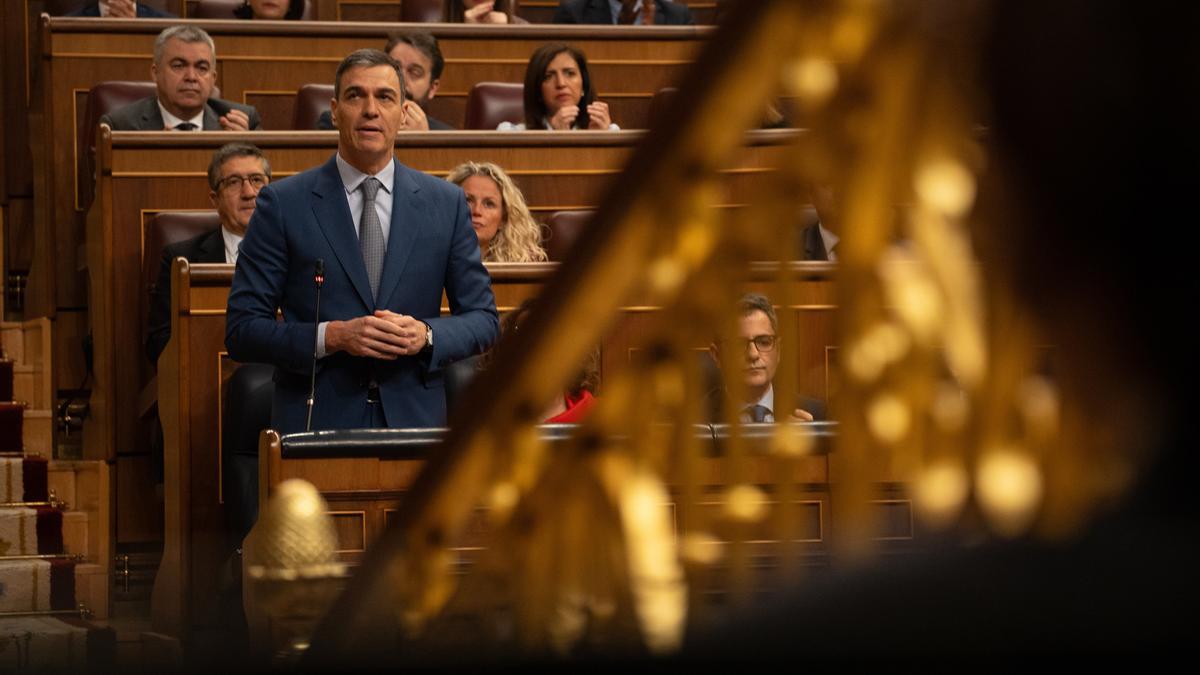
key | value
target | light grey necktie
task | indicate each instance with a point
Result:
(370, 235)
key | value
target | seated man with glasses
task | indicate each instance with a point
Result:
(235, 175)
(759, 345)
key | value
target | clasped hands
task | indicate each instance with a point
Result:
(598, 116)
(382, 335)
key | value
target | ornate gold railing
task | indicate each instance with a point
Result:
(937, 383)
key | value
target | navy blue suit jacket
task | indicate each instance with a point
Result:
(431, 247)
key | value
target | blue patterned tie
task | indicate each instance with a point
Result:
(370, 235)
(758, 413)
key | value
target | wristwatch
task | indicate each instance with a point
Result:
(428, 337)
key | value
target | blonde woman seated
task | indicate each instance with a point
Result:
(507, 231)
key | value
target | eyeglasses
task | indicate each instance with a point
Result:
(763, 343)
(235, 182)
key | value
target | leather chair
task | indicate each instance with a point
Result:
(421, 11)
(564, 228)
(311, 101)
(659, 104)
(223, 9)
(491, 103)
(63, 7)
(103, 98)
(168, 228)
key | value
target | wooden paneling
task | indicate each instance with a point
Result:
(262, 62)
(143, 173)
(542, 11)
(191, 371)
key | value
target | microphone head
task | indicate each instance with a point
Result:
(320, 267)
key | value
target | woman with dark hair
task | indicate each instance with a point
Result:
(289, 10)
(481, 11)
(559, 94)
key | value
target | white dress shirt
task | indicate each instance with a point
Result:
(170, 121)
(830, 240)
(352, 178)
(233, 244)
(767, 401)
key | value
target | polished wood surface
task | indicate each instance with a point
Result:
(363, 492)
(143, 173)
(260, 63)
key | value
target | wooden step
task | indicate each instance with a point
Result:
(92, 588)
(38, 434)
(29, 385)
(27, 342)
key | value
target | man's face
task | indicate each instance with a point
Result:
(185, 77)
(419, 84)
(368, 113)
(759, 364)
(237, 191)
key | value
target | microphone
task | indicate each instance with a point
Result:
(319, 280)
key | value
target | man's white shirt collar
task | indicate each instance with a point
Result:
(352, 177)
(170, 121)
(767, 401)
(232, 242)
(830, 240)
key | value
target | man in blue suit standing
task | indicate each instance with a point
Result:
(391, 239)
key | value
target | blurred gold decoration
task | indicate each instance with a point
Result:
(292, 574)
(611, 541)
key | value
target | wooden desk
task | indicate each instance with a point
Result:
(142, 173)
(195, 365)
(263, 64)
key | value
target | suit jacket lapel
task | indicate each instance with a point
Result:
(211, 121)
(407, 221)
(333, 217)
(212, 248)
(151, 116)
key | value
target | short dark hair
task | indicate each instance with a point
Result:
(229, 151)
(756, 302)
(535, 105)
(423, 42)
(365, 58)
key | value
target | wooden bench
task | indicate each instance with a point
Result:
(263, 64)
(195, 364)
(144, 173)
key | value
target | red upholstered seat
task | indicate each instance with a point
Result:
(421, 11)
(103, 98)
(491, 103)
(311, 101)
(223, 9)
(168, 228)
(564, 228)
(659, 104)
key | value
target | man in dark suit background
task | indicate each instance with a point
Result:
(185, 72)
(120, 9)
(235, 175)
(820, 239)
(625, 12)
(391, 240)
(758, 341)
(422, 63)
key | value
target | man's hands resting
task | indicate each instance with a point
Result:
(382, 335)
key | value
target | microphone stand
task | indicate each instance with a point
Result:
(319, 279)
